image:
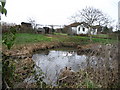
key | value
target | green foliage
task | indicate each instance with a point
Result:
(9, 38)
(2, 8)
(8, 69)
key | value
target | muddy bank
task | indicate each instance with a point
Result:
(27, 50)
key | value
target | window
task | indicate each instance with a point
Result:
(83, 29)
(79, 29)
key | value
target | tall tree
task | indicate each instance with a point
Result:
(92, 17)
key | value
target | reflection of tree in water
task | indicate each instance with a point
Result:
(46, 52)
(43, 52)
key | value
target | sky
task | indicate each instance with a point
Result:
(54, 12)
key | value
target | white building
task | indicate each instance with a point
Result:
(119, 15)
(81, 28)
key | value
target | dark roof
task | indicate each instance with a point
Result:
(25, 23)
(78, 23)
(74, 24)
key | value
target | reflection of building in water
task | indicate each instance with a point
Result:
(119, 15)
(70, 53)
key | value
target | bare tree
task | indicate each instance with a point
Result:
(33, 23)
(92, 17)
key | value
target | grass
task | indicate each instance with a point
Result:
(85, 40)
(22, 38)
(103, 41)
(60, 34)
(101, 35)
(26, 38)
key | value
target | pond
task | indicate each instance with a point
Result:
(51, 62)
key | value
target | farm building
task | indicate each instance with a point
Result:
(26, 28)
(44, 30)
(80, 28)
(24, 24)
(40, 30)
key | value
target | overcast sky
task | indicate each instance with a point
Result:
(54, 12)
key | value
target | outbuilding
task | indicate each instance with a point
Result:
(80, 28)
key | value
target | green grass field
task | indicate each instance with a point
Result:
(101, 35)
(24, 38)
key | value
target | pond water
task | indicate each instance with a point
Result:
(50, 62)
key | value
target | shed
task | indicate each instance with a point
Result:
(81, 28)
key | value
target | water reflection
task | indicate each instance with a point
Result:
(52, 62)
(101, 65)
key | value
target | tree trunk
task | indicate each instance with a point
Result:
(90, 34)
(90, 38)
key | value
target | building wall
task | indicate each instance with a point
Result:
(119, 15)
(82, 30)
(74, 30)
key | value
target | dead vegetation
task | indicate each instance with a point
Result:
(100, 72)
(103, 71)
